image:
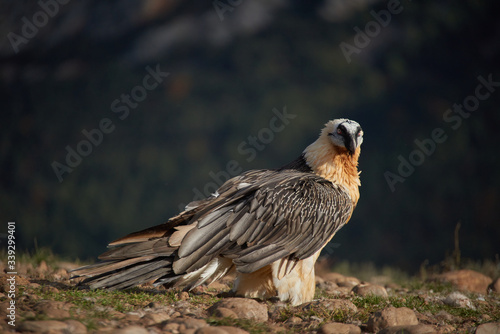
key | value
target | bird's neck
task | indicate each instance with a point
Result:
(335, 164)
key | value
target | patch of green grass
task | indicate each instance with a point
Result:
(36, 257)
(317, 311)
(203, 299)
(367, 305)
(121, 301)
(252, 326)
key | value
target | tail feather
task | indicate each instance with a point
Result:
(115, 277)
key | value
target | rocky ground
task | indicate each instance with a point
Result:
(47, 301)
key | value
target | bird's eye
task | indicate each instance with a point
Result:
(339, 131)
(360, 133)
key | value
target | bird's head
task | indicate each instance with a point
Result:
(344, 133)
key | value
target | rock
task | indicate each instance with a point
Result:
(456, 299)
(414, 329)
(243, 308)
(330, 305)
(339, 328)
(131, 330)
(467, 280)
(333, 277)
(53, 309)
(192, 323)
(210, 330)
(154, 318)
(221, 330)
(495, 286)
(294, 320)
(222, 312)
(370, 289)
(445, 316)
(170, 327)
(315, 318)
(390, 317)
(75, 327)
(327, 285)
(485, 317)
(340, 291)
(183, 324)
(183, 295)
(447, 329)
(233, 330)
(489, 328)
(349, 282)
(42, 326)
(5, 282)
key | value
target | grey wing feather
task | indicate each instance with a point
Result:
(278, 214)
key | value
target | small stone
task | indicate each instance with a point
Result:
(467, 280)
(131, 330)
(131, 317)
(293, 320)
(456, 299)
(42, 326)
(222, 312)
(171, 327)
(244, 308)
(347, 284)
(334, 277)
(210, 330)
(341, 291)
(192, 323)
(446, 329)
(332, 305)
(183, 295)
(75, 327)
(390, 317)
(413, 329)
(50, 289)
(443, 315)
(339, 328)
(327, 285)
(365, 290)
(489, 328)
(154, 318)
(5, 282)
(485, 317)
(154, 305)
(233, 330)
(315, 318)
(53, 309)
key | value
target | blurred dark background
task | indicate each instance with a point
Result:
(67, 66)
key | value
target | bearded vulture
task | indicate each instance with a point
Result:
(267, 226)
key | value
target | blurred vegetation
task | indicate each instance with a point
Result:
(219, 94)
